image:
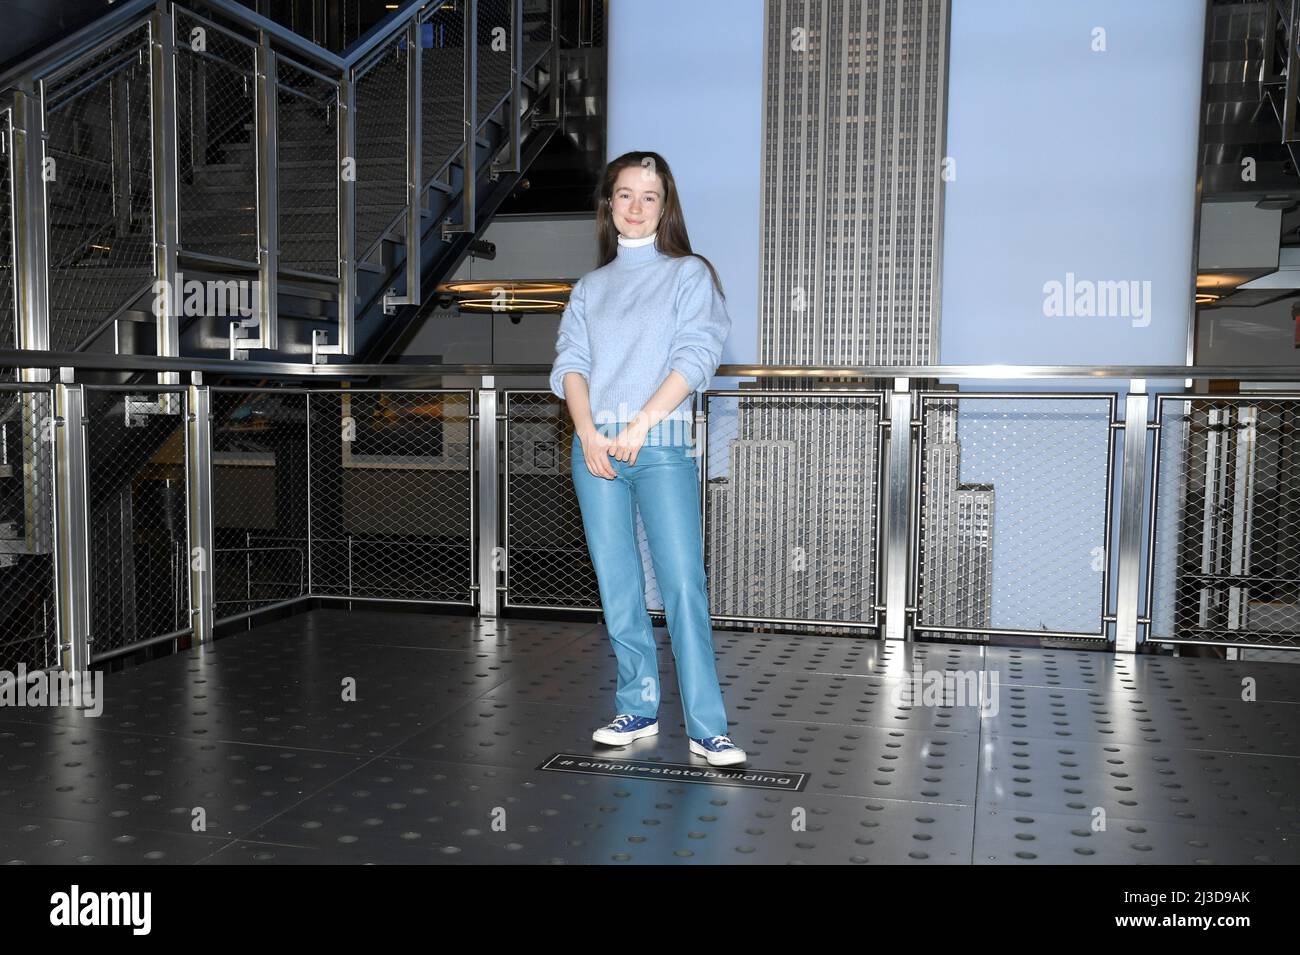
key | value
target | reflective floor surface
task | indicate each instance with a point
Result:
(376, 737)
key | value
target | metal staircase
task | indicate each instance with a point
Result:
(1280, 76)
(239, 174)
(347, 186)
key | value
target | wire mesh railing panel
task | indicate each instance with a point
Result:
(308, 169)
(537, 31)
(392, 484)
(1225, 555)
(259, 498)
(216, 141)
(494, 55)
(381, 145)
(28, 602)
(442, 89)
(99, 191)
(1015, 497)
(792, 508)
(547, 562)
(8, 305)
(136, 515)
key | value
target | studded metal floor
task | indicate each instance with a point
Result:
(437, 760)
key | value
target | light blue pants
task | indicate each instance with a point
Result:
(664, 486)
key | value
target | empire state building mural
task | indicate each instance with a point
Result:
(855, 112)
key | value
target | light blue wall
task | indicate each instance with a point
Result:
(686, 80)
(1069, 161)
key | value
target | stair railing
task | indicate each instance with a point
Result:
(306, 221)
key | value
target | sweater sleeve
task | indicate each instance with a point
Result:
(572, 350)
(702, 325)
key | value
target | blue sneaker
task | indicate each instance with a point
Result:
(718, 750)
(625, 728)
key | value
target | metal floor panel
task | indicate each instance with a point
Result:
(1025, 838)
(453, 717)
(418, 811)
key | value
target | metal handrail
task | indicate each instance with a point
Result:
(76, 44)
(127, 14)
(272, 42)
(53, 359)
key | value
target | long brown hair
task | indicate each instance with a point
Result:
(670, 236)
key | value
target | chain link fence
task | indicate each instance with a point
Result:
(28, 601)
(136, 514)
(259, 498)
(308, 167)
(547, 562)
(1225, 545)
(792, 509)
(370, 494)
(391, 488)
(99, 191)
(1015, 508)
(216, 141)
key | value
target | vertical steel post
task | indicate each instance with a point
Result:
(166, 228)
(31, 273)
(414, 160)
(469, 135)
(198, 459)
(310, 475)
(72, 561)
(414, 174)
(347, 239)
(26, 149)
(1132, 499)
(898, 479)
(557, 79)
(515, 162)
(487, 498)
(268, 199)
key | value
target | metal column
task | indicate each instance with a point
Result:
(347, 235)
(198, 454)
(898, 477)
(1132, 500)
(514, 163)
(488, 543)
(166, 229)
(268, 211)
(414, 174)
(31, 275)
(72, 567)
(469, 136)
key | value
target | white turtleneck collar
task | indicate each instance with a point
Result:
(633, 243)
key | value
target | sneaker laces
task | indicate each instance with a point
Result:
(621, 720)
(721, 740)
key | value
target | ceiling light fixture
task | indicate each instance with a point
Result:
(504, 296)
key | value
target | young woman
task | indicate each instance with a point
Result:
(640, 335)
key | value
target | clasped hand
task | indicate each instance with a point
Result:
(598, 449)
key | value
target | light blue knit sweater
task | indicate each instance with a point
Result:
(631, 322)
